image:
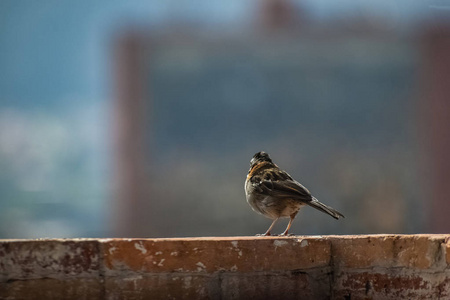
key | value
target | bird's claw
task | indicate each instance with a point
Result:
(263, 234)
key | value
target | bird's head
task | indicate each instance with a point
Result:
(260, 157)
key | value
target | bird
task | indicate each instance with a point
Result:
(274, 194)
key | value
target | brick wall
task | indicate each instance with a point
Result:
(300, 267)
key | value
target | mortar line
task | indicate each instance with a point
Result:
(101, 268)
(332, 268)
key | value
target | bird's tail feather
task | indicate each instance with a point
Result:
(325, 208)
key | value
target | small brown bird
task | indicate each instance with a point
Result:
(273, 193)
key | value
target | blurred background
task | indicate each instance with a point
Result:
(139, 118)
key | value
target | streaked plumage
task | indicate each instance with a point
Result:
(273, 193)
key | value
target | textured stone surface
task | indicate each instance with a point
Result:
(396, 285)
(275, 286)
(286, 285)
(297, 267)
(49, 288)
(162, 286)
(363, 251)
(215, 254)
(24, 259)
(447, 250)
(417, 251)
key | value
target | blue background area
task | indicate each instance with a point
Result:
(56, 90)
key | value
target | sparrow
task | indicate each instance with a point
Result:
(274, 194)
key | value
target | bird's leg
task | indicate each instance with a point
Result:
(289, 225)
(270, 228)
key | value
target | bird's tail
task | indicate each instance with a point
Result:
(324, 208)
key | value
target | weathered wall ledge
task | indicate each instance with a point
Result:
(297, 267)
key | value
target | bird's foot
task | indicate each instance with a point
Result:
(265, 234)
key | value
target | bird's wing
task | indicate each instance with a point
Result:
(286, 188)
(277, 183)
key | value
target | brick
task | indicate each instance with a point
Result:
(364, 267)
(275, 286)
(416, 251)
(26, 259)
(290, 285)
(162, 286)
(444, 287)
(447, 251)
(373, 285)
(361, 252)
(48, 288)
(215, 254)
